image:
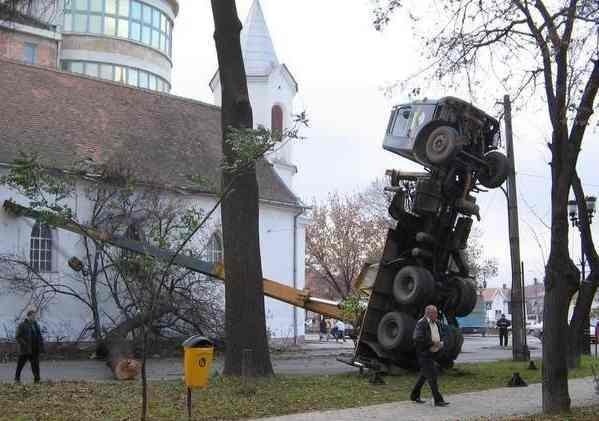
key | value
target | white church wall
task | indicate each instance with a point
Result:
(64, 316)
(277, 252)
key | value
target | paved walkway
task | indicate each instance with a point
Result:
(488, 404)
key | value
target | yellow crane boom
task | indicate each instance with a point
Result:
(273, 289)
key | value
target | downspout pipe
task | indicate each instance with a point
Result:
(295, 217)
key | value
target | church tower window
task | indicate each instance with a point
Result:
(277, 122)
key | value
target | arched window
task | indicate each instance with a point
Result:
(277, 122)
(40, 248)
(214, 249)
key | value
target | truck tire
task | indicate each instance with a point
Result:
(452, 346)
(441, 144)
(413, 285)
(395, 331)
(467, 298)
(497, 171)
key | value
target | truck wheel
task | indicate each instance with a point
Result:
(468, 297)
(395, 331)
(497, 171)
(441, 144)
(452, 344)
(413, 285)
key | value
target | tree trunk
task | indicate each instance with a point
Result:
(561, 271)
(584, 301)
(121, 359)
(118, 351)
(561, 282)
(244, 320)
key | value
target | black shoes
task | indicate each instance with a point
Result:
(417, 400)
(442, 403)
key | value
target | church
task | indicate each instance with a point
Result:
(90, 80)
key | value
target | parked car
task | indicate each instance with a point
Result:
(537, 331)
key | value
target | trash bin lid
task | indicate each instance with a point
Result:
(198, 341)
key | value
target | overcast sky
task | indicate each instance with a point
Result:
(341, 64)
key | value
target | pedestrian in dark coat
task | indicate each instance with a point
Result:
(31, 345)
(427, 339)
(503, 325)
(323, 329)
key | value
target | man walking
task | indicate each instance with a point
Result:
(323, 329)
(31, 345)
(428, 342)
(339, 331)
(503, 324)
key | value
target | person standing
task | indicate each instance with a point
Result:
(503, 325)
(428, 343)
(339, 331)
(322, 328)
(31, 345)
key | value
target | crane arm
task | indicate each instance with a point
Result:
(273, 289)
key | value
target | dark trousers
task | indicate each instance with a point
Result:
(502, 337)
(428, 372)
(34, 359)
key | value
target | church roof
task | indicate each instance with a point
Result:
(163, 139)
(259, 54)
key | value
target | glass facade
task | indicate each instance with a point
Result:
(122, 74)
(129, 19)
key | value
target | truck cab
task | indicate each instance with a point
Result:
(448, 132)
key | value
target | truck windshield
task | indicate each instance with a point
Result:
(402, 117)
(409, 119)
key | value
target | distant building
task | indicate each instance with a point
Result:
(534, 296)
(126, 41)
(497, 302)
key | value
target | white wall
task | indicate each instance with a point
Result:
(66, 317)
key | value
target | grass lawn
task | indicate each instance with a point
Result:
(229, 399)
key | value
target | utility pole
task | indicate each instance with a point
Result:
(520, 350)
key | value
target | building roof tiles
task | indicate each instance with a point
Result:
(163, 139)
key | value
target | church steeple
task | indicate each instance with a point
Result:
(271, 87)
(259, 54)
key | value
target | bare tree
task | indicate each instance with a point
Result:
(117, 206)
(481, 267)
(348, 231)
(345, 232)
(530, 44)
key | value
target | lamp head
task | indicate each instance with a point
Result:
(572, 209)
(75, 264)
(591, 204)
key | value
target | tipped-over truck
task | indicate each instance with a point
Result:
(424, 260)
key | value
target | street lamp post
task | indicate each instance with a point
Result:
(574, 218)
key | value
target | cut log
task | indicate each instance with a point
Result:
(125, 368)
(118, 351)
(120, 357)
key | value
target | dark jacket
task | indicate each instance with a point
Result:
(29, 338)
(422, 337)
(503, 324)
